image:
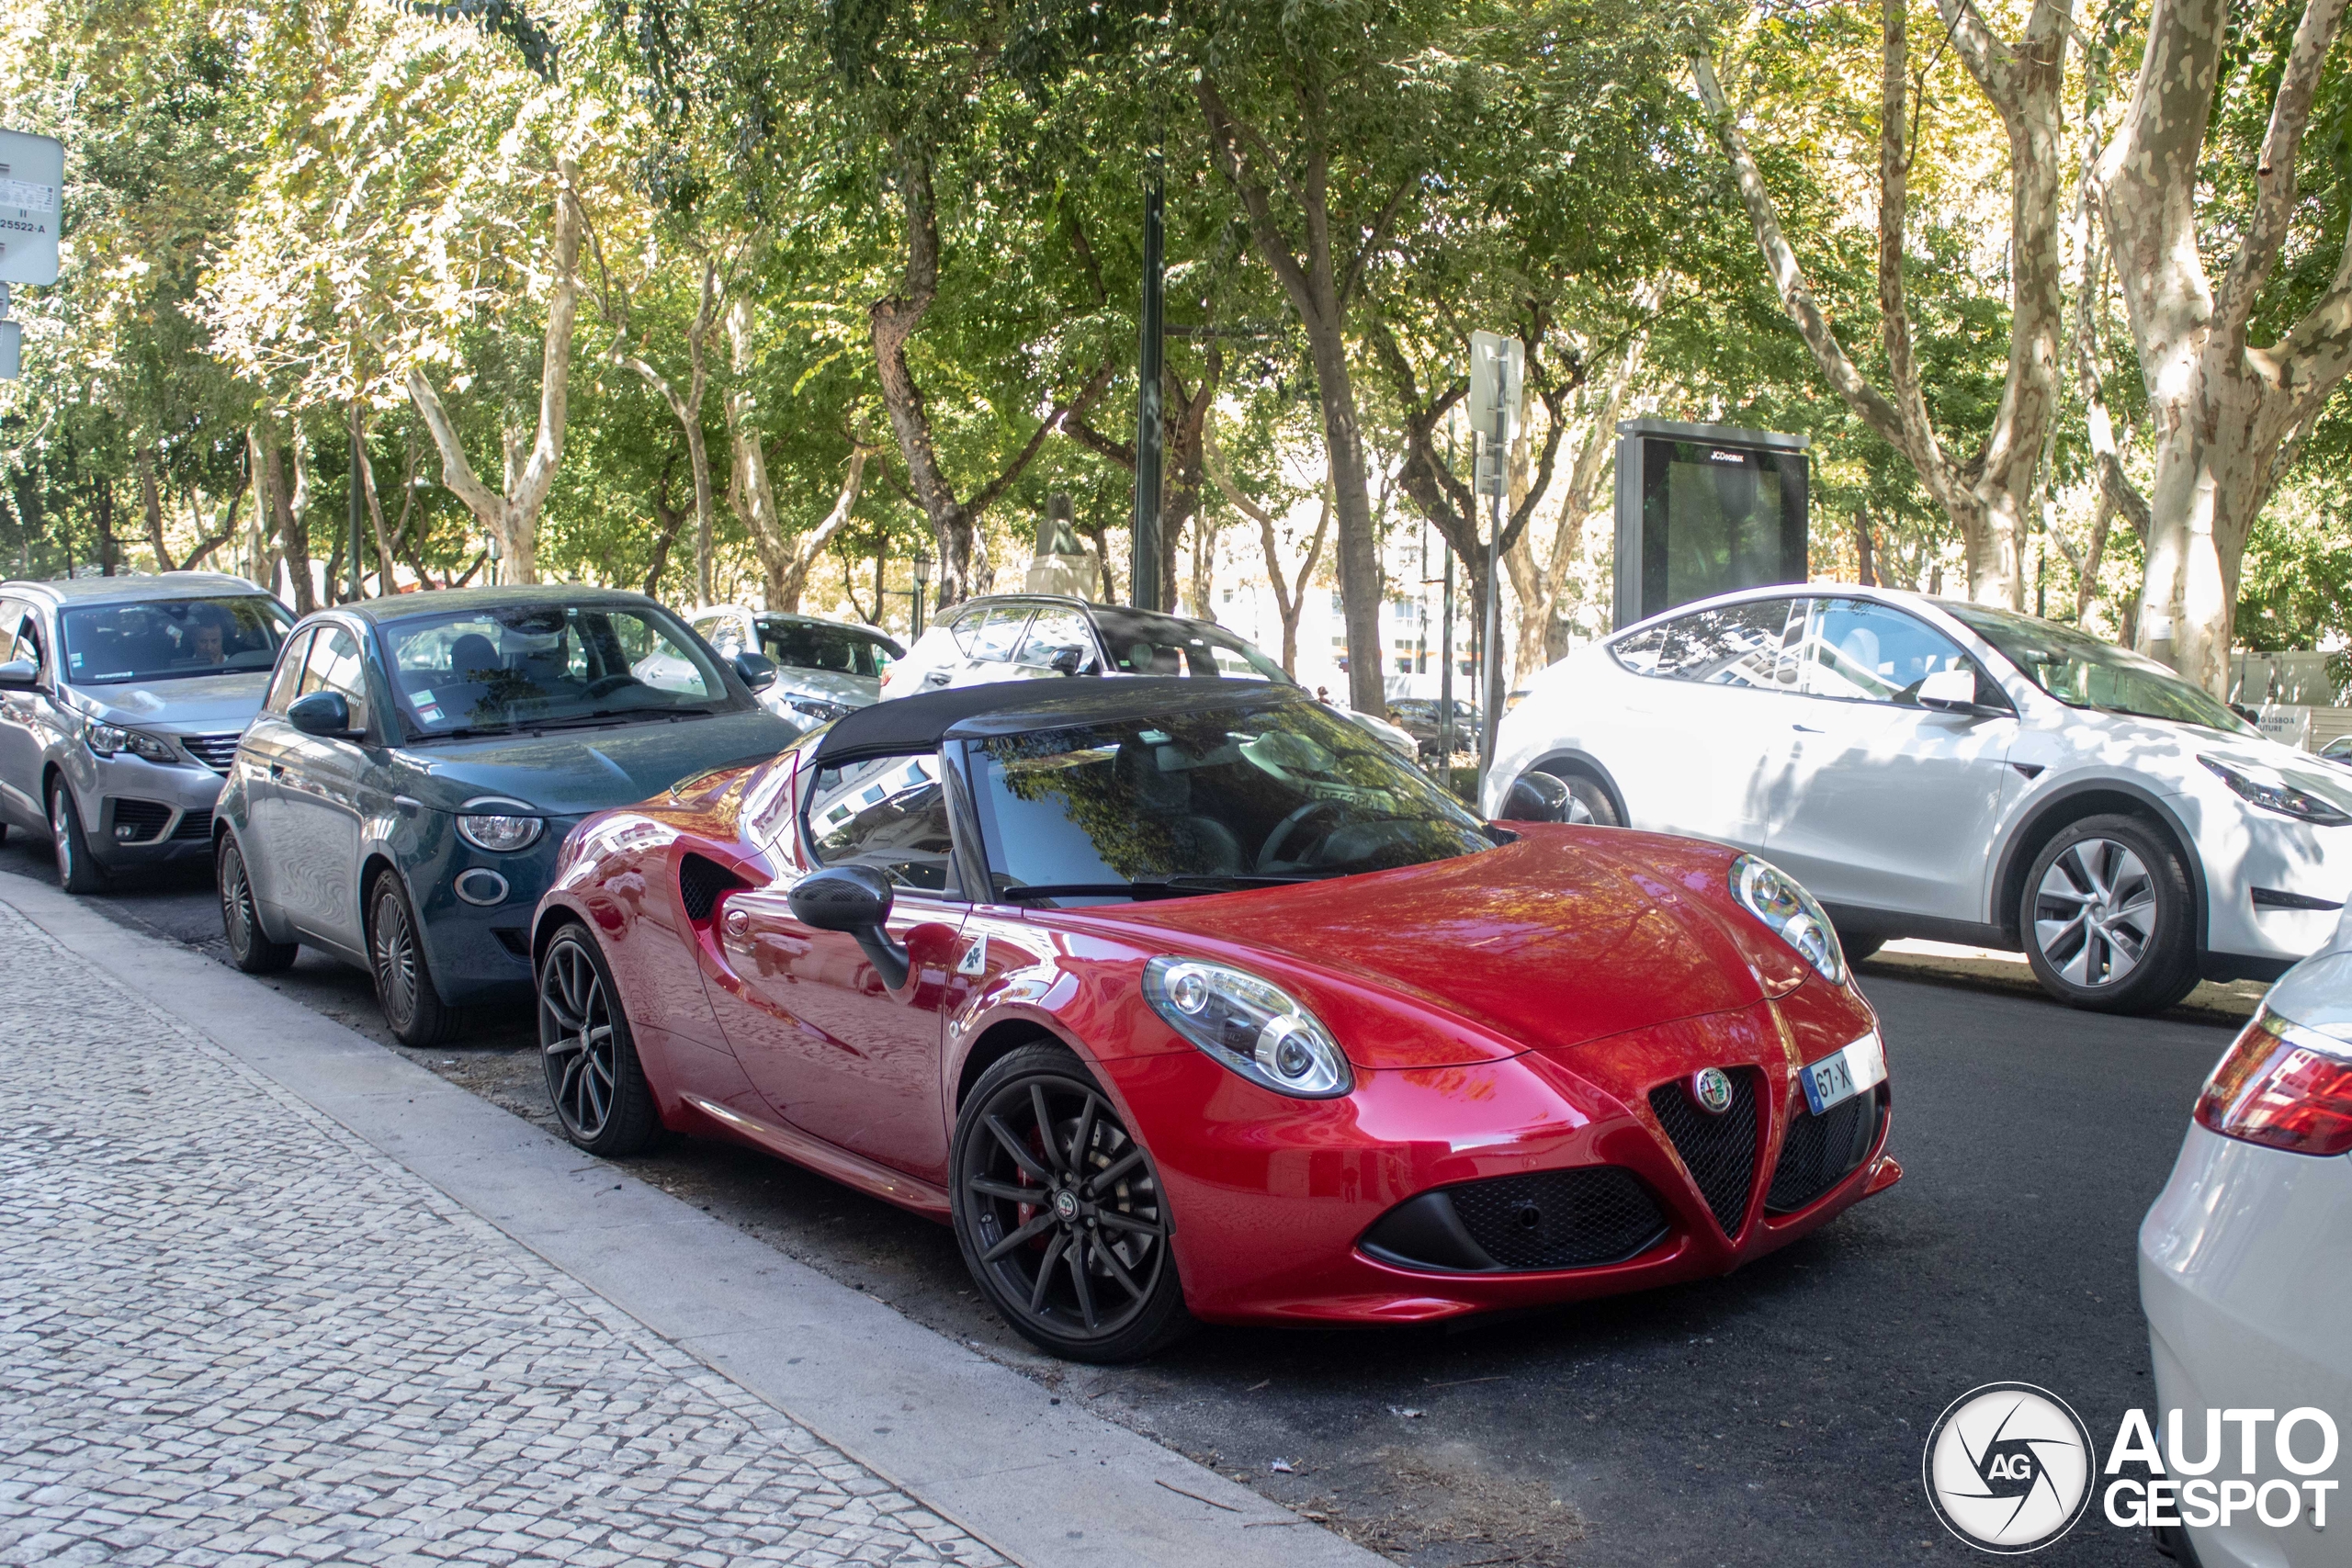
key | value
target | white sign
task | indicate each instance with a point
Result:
(33, 178)
(11, 338)
(1497, 374)
(1488, 478)
(2290, 724)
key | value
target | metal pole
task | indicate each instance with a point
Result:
(1147, 592)
(1445, 678)
(356, 504)
(1490, 696)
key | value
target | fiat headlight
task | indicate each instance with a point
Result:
(2274, 790)
(107, 739)
(1773, 896)
(1251, 1026)
(498, 831)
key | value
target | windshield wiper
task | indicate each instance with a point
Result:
(606, 716)
(1162, 887)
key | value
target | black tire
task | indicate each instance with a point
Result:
(411, 1003)
(2107, 918)
(1037, 1122)
(595, 1081)
(76, 872)
(1588, 801)
(250, 947)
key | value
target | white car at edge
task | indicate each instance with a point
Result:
(2246, 1267)
(1947, 770)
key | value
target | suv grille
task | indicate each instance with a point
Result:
(700, 882)
(1720, 1150)
(1822, 1151)
(1548, 1219)
(215, 751)
(193, 824)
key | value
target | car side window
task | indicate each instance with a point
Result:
(1053, 633)
(12, 615)
(335, 665)
(886, 812)
(1860, 651)
(1732, 645)
(1000, 633)
(723, 633)
(284, 683)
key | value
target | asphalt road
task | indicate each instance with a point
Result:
(1773, 1417)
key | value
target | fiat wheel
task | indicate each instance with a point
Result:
(404, 989)
(76, 872)
(594, 1079)
(250, 947)
(2107, 918)
(1059, 1213)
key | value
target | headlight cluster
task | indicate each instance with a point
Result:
(2275, 791)
(108, 740)
(498, 831)
(1773, 896)
(814, 711)
(1251, 1026)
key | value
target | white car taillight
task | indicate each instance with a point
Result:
(2283, 1087)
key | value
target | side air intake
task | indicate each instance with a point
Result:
(700, 883)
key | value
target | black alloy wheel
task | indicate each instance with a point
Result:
(76, 872)
(595, 1081)
(1589, 804)
(1059, 1214)
(250, 947)
(2108, 917)
(411, 1004)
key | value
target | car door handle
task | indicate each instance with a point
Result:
(936, 678)
(276, 771)
(1807, 729)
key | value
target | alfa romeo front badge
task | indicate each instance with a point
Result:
(1710, 1090)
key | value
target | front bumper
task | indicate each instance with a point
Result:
(2274, 886)
(477, 933)
(137, 813)
(2245, 1263)
(1275, 1202)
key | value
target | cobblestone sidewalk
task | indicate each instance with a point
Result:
(230, 1333)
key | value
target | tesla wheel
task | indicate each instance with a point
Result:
(250, 947)
(404, 989)
(593, 1076)
(2108, 916)
(76, 872)
(1588, 803)
(1059, 1214)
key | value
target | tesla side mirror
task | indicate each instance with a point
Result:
(1951, 690)
(321, 713)
(757, 670)
(1536, 797)
(856, 900)
(1069, 660)
(20, 673)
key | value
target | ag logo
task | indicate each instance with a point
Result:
(2008, 1467)
(1710, 1090)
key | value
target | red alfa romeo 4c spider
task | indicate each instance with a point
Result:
(1185, 999)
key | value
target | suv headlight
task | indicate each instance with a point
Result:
(814, 710)
(2274, 791)
(498, 831)
(1773, 896)
(1248, 1024)
(107, 739)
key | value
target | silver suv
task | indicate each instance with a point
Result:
(122, 699)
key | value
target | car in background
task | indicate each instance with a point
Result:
(1186, 999)
(400, 800)
(2338, 750)
(2243, 1266)
(824, 669)
(1029, 636)
(1423, 719)
(1955, 772)
(122, 699)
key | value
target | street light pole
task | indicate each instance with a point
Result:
(923, 585)
(355, 460)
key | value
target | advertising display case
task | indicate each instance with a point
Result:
(1704, 509)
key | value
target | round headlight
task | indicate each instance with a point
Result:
(1774, 896)
(498, 831)
(1248, 1024)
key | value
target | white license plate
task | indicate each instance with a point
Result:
(1838, 1077)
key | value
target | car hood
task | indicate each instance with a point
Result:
(2164, 750)
(1562, 937)
(573, 772)
(192, 705)
(859, 691)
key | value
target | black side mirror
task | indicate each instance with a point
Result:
(321, 713)
(855, 899)
(1536, 797)
(17, 674)
(757, 670)
(1069, 660)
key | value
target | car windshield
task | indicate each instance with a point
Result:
(841, 650)
(164, 639)
(1141, 643)
(532, 665)
(1196, 802)
(2082, 672)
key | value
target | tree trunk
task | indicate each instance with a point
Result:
(151, 495)
(293, 543)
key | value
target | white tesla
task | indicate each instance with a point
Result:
(1942, 770)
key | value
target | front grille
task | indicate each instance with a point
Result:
(1720, 1150)
(700, 882)
(137, 821)
(1546, 1218)
(193, 824)
(215, 751)
(1822, 1151)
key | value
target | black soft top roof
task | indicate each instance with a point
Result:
(908, 725)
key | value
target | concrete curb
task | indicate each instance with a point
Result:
(1046, 1484)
